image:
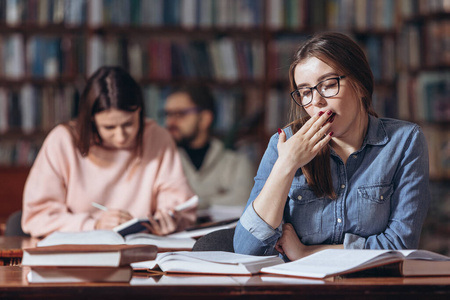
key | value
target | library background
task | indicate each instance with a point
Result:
(241, 48)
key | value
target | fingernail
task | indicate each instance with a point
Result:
(331, 133)
(279, 130)
(321, 113)
(329, 112)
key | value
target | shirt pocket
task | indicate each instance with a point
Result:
(374, 208)
(305, 211)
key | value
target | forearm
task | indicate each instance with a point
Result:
(43, 222)
(247, 241)
(270, 203)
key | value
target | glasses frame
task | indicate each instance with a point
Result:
(338, 78)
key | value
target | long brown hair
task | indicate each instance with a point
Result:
(108, 87)
(346, 57)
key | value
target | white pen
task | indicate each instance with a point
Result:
(99, 206)
(188, 204)
(185, 205)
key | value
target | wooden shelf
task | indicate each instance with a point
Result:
(265, 34)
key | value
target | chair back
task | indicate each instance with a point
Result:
(220, 240)
(14, 226)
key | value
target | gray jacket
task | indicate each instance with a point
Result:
(225, 177)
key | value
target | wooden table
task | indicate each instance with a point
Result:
(13, 285)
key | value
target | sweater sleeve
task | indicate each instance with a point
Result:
(44, 200)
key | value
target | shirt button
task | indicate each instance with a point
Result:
(381, 197)
(299, 197)
(355, 156)
(343, 186)
(339, 220)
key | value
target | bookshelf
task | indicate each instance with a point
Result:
(241, 48)
(423, 89)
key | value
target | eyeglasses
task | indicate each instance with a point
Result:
(326, 88)
(178, 114)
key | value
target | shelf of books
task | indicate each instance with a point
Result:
(242, 49)
(423, 96)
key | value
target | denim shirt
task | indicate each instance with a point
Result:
(382, 196)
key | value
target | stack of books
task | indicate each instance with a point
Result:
(84, 262)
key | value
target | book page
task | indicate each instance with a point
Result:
(423, 254)
(214, 262)
(92, 237)
(334, 261)
(220, 257)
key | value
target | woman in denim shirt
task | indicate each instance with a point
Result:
(337, 176)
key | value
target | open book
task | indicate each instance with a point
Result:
(136, 225)
(208, 262)
(108, 237)
(333, 262)
(87, 255)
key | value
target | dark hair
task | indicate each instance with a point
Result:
(346, 57)
(200, 95)
(108, 87)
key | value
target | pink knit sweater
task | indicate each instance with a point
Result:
(62, 184)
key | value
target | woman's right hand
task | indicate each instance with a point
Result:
(304, 145)
(112, 218)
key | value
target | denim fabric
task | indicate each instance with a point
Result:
(383, 196)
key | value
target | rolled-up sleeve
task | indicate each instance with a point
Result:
(253, 235)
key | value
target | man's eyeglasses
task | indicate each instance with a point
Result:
(177, 114)
(326, 88)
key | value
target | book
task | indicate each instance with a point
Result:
(136, 224)
(109, 237)
(208, 262)
(87, 255)
(336, 262)
(79, 274)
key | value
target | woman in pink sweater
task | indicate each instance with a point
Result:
(110, 155)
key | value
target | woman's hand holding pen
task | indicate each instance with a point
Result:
(306, 143)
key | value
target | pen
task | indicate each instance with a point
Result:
(186, 205)
(99, 206)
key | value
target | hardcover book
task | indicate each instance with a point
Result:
(88, 255)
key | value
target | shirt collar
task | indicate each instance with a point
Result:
(376, 133)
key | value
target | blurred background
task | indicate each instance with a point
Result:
(241, 48)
